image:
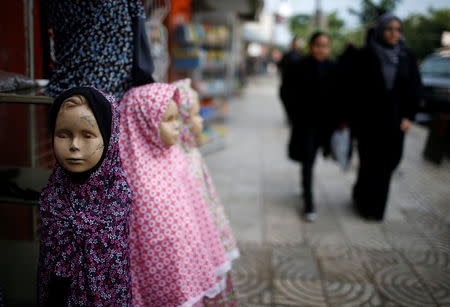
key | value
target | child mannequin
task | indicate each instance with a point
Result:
(191, 128)
(84, 209)
(172, 264)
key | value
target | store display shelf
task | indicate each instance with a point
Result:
(213, 139)
(26, 96)
(214, 69)
(21, 186)
(214, 47)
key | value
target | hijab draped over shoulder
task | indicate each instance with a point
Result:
(171, 263)
(84, 239)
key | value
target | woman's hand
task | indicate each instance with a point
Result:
(405, 125)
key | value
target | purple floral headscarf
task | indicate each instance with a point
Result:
(84, 244)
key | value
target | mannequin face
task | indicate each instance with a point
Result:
(169, 125)
(196, 119)
(78, 143)
(321, 47)
(393, 32)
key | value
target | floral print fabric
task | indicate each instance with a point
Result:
(187, 138)
(175, 256)
(85, 233)
(201, 174)
(93, 44)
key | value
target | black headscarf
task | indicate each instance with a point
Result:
(101, 108)
(387, 54)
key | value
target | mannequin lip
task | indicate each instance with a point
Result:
(74, 160)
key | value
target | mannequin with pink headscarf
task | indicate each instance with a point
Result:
(190, 131)
(177, 258)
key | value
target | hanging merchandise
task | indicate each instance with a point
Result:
(157, 10)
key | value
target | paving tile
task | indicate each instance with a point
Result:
(440, 241)
(283, 230)
(297, 292)
(413, 242)
(247, 231)
(335, 251)
(432, 257)
(294, 262)
(395, 227)
(374, 260)
(343, 271)
(398, 284)
(437, 280)
(426, 222)
(366, 236)
(252, 274)
(344, 294)
(286, 205)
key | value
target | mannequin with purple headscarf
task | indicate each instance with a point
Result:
(384, 91)
(85, 206)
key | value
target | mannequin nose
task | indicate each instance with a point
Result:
(75, 145)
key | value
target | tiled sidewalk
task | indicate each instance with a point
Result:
(340, 260)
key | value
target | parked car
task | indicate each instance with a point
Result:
(435, 71)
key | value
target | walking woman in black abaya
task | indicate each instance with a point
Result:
(312, 112)
(287, 67)
(385, 88)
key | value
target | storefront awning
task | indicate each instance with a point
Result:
(246, 9)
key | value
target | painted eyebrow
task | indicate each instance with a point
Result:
(88, 119)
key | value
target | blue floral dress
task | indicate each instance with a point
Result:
(93, 44)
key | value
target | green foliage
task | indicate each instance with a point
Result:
(338, 41)
(299, 25)
(355, 37)
(423, 31)
(370, 11)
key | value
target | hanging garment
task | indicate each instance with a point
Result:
(94, 44)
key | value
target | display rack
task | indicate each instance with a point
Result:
(156, 11)
(204, 51)
(22, 185)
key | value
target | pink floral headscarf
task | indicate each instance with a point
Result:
(200, 171)
(172, 263)
(187, 137)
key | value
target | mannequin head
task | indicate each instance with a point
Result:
(320, 46)
(194, 113)
(77, 140)
(392, 32)
(169, 125)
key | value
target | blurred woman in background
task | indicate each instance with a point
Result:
(384, 87)
(311, 112)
